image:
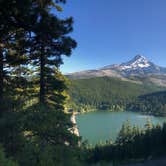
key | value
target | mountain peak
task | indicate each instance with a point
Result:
(138, 61)
(139, 57)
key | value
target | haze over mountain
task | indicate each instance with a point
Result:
(139, 69)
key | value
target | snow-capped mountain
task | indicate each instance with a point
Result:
(139, 67)
(137, 62)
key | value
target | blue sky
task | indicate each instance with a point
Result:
(114, 31)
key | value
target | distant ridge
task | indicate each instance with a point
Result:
(136, 69)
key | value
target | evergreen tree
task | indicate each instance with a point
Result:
(50, 43)
(15, 17)
(125, 134)
(31, 34)
(148, 125)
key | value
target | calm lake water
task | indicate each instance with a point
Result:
(101, 126)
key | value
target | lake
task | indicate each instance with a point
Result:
(102, 126)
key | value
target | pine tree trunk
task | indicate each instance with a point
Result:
(1, 79)
(42, 84)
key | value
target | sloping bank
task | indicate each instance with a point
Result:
(74, 130)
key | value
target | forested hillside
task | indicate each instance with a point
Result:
(154, 103)
(107, 93)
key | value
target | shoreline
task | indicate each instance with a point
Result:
(143, 113)
(75, 128)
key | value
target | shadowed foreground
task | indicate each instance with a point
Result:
(156, 162)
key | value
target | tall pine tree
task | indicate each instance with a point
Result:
(50, 43)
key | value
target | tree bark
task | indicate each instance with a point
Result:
(42, 81)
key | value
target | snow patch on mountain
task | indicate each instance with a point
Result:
(137, 62)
